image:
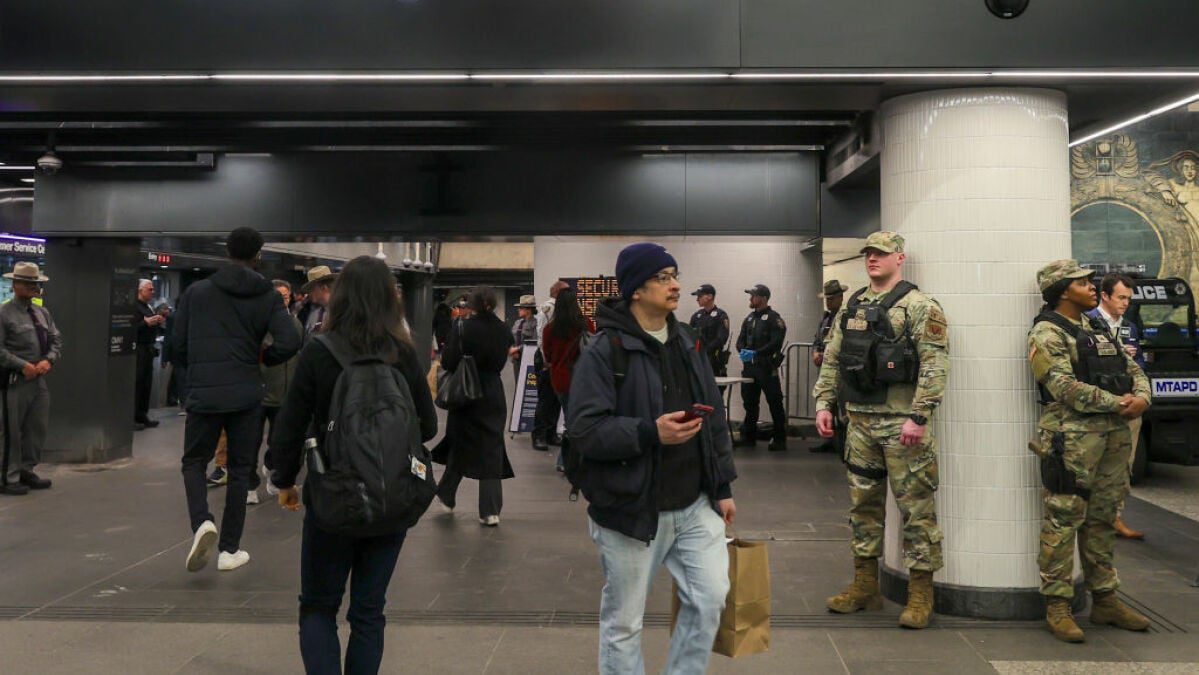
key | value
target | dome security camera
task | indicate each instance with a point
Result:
(49, 163)
(1007, 9)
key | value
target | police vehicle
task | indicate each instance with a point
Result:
(1164, 311)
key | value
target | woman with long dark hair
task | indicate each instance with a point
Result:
(365, 314)
(473, 446)
(562, 342)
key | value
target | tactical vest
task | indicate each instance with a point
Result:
(1101, 361)
(872, 357)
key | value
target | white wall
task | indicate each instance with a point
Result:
(731, 264)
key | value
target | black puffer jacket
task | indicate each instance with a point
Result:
(218, 333)
(616, 430)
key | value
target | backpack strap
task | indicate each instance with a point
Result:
(343, 353)
(620, 359)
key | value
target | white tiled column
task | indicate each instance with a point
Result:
(977, 182)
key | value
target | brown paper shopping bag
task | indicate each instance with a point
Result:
(431, 377)
(745, 621)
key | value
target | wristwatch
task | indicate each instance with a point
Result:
(918, 419)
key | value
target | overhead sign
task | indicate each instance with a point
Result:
(592, 290)
(22, 246)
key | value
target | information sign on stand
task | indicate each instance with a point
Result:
(524, 399)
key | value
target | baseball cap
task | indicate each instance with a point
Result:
(705, 289)
(885, 241)
(759, 289)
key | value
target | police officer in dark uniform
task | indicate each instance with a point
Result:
(711, 324)
(760, 346)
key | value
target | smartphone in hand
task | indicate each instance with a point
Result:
(697, 411)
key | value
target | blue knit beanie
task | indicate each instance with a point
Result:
(637, 263)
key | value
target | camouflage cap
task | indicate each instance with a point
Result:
(1067, 268)
(885, 241)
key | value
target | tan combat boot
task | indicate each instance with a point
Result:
(920, 600)
(862, 593)
(1061, 621)
(1107, 610)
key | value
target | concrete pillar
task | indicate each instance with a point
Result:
(418, 304)
(977, 181)
(91, 392)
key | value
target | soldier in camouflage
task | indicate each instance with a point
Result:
(887, 359)
(1090, 390)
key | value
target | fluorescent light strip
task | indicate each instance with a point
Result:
(35, 240)
(339, 77)
(1133, 120)
(611, 76)
(16, 168)
(585, 77)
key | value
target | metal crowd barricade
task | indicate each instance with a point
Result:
(799, 375)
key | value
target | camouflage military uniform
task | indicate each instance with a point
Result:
(1097, 446)
(873, 437)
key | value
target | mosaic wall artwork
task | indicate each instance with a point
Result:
(1135, 199)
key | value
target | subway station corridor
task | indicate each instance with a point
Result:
(94, 582)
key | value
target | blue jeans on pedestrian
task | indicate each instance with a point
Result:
(326, 561)
(691, 543)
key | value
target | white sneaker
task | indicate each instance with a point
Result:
(266, 480)
(445, 508)
(251, 496)
(490, 521)
(231, 561)
(202, 542)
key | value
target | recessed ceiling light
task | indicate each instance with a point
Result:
(26, 180)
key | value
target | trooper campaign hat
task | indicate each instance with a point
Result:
(833, 288)
(527, 302)
(26, 271)
(316, 275)
(885, 241)
(1060, 270)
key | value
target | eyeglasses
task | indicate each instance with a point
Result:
(666, 277)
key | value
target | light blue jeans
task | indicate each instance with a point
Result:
(691, 543)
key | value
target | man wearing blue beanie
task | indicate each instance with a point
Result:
(655, 462)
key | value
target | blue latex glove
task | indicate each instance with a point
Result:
(747, 355)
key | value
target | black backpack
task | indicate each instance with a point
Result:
(573, 465)
(376, 478)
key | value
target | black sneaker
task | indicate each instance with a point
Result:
(744, 442)
(539, 444)
(14, 489)
(34, 482)
(218, 477)
(555, 440)
(150, 424)
(778, 445)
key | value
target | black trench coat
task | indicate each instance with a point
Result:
(474, 435)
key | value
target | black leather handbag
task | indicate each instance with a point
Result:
(461, 387)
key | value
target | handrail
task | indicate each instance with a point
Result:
(798, 381)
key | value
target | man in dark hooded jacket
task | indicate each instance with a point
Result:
(219, 329)
(657, 483)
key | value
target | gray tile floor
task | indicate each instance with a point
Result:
(93, 581)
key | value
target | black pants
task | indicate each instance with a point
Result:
(326, 561)
(243, 432)
(545, 420)
(144, 382)
(764, 382)
(491, 493)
